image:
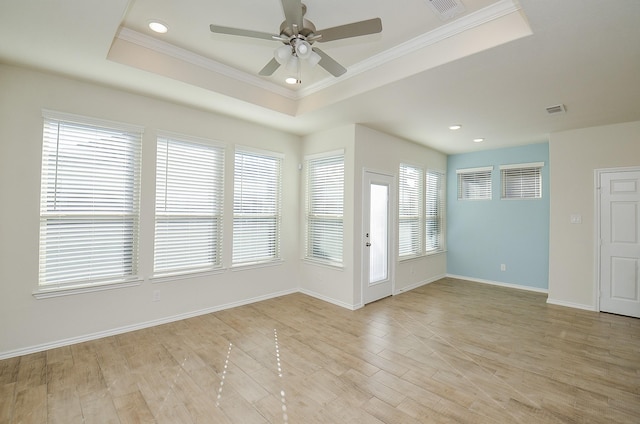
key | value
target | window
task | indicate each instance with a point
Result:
(474, 183)
(256, 207)
(522, 181)
(89, 204)
(434, 211)
(189, 196)
(325, 207)
(421, 211)
(410, 206)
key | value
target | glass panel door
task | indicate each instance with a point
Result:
(379, 233)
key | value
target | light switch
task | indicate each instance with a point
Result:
(576, 219)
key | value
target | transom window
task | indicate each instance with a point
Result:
(474, 183)
(522, 181)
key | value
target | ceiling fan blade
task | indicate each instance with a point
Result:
(292, 12)
(241, 32)
(269, 68)
(333, 67)
(356, 29)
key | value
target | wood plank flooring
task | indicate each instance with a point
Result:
(451, 351)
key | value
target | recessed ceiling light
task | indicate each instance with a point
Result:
(478, 140)
(292, 80)
(159, 27)
(455, 127)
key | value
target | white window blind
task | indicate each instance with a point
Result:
(325, 208)
(89, 204)
(189, 196)
(256, 207)
(421, 211)
(522, 181)
(410, 210)
(474, 183)
(435, 211)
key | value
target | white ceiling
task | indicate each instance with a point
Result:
(493, 68)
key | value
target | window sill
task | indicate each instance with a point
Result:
(324, 264)
(253, 265)
(170, 277)
(46, 293)
(425, 255)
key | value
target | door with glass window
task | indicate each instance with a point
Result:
(378, 236)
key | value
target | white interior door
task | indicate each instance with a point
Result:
(379, 195)
(620, 242)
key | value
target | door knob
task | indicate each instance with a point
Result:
(367, 244)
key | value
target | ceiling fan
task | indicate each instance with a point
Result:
(298, 35)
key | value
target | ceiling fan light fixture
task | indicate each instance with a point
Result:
(292, 68)
(314, 59)
(282, 54)
(303, 49)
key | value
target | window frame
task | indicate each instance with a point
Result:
(166, 210)
(480, 176)
(440, 216)
(421, 246)
(520, 172)
(78, 198)
(247, 213)
(333, 212)
(416, 206)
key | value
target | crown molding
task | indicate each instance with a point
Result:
(188, 56)
(460, 25)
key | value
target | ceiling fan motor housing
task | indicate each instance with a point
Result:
(308, 29)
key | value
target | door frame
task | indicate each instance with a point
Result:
(393, 233)
(598, 227)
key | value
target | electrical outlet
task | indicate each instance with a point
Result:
(155, 297)
(503, 267)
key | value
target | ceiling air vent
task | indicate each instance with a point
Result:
(552, 110)
(446, 9)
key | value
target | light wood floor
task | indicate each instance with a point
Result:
(452, 351)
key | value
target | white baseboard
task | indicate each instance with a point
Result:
(166, 320)
(330, 300)
(571, 305)
(418, 284)
(140, 326)
(497, 283)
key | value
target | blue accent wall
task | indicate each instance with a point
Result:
(483, 234)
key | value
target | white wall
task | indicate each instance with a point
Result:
(376, 151)
(574, 156)
(28, 324)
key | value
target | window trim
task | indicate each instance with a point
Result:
(278, 217)
(422, 205)
(442, 213)
(477, 170)
(307, 200)
(176, 274)
(421, 212)
(520, 166)
(50, 290)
